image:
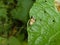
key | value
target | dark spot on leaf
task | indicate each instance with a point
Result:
(53, 20)
(40, 19)
(54, 40)
(33, 0)
(45, 0)
(44, 11)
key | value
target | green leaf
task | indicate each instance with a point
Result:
(3, 18)
(10, 41)
(22, 10)
(3, 12)
(2, 4)
(13, 41)
(3, 41)
(46, 29)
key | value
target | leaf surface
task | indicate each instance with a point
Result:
(47, 25)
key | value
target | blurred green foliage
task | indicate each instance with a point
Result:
(43, 22)
(14, 15)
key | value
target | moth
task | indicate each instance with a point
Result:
(32, 20)
(57, 4)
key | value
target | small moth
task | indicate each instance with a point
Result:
(57, 4)
(32, 20)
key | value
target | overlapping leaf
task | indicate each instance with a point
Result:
(22, 10)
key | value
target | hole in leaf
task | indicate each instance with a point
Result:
(40, 19)
(44, 11)
(45, 0)
(53, 20)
